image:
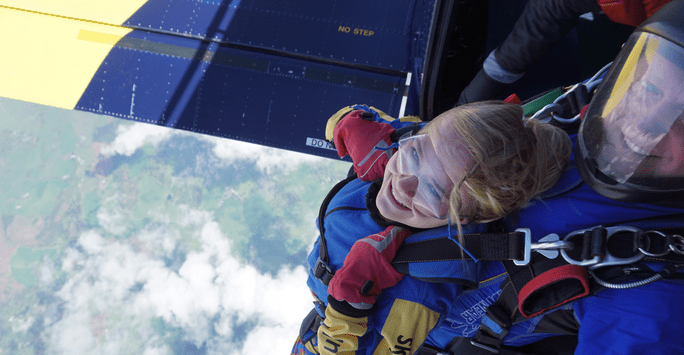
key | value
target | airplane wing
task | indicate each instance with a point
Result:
(262, 71)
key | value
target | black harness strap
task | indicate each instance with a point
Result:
(505, 312)
(483, 246)
(509, 247)
(322, 270)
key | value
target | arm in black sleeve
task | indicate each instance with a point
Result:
(542, 24)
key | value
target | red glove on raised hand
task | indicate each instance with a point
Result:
(358, 135)
(367, 269)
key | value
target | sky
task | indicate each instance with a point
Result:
(148, 292)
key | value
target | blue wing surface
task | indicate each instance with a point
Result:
(265, 72)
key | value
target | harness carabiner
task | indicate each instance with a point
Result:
(571, 102)
(594, 253)
(547, 246)
(671, 243)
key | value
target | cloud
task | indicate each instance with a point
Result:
(177, 274)
(115, 289)
(267, 159)
(133, 137)
(76, 338)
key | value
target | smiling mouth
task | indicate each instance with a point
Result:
(635, 139)
(637, 149)
(391, 190)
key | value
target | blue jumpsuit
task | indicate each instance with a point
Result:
(645, 320)
(642, 320)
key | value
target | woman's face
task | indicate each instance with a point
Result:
(420, 176)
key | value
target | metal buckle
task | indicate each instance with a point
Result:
(674, 243)
(528, 248)
(575, 98)
(545, 115)
(546, 246)
(654, 255)
(321, 269)
(494, 327)
(678, 248)
(484, 346)
(550, 245)
(608, 259)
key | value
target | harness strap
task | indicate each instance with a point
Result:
(429, 350)
(312, 322)
(494, 327)
(594, 247)
(504, 312)
(483, 246)
(322, 270)
(545, 284)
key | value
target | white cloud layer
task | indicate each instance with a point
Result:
(115, 290)
(132, 137)
(267, 159)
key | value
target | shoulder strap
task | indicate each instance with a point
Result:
(430, 255)
(322, 270)
(517, 246)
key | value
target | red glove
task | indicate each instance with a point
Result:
(358, 137)
(367, 269)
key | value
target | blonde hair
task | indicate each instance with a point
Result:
(515, 160)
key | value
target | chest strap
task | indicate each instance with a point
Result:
(601, 257)
(593, 248)
(482, 246)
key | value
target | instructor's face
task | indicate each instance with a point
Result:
(643, 127)
(667, 157)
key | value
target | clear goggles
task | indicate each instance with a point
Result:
(416, 157)
(634, 126)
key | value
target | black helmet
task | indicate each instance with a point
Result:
(630, 146)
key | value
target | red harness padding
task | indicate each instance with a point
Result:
(553, 288)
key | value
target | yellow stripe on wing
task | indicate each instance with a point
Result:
(105, 11)
(50, 60)
(98, 37)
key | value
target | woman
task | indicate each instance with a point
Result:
(641, 320)
(472, 164)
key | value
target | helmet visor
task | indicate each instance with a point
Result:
(634, 128)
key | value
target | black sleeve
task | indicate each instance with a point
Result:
(482, 87)
(542, 24)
